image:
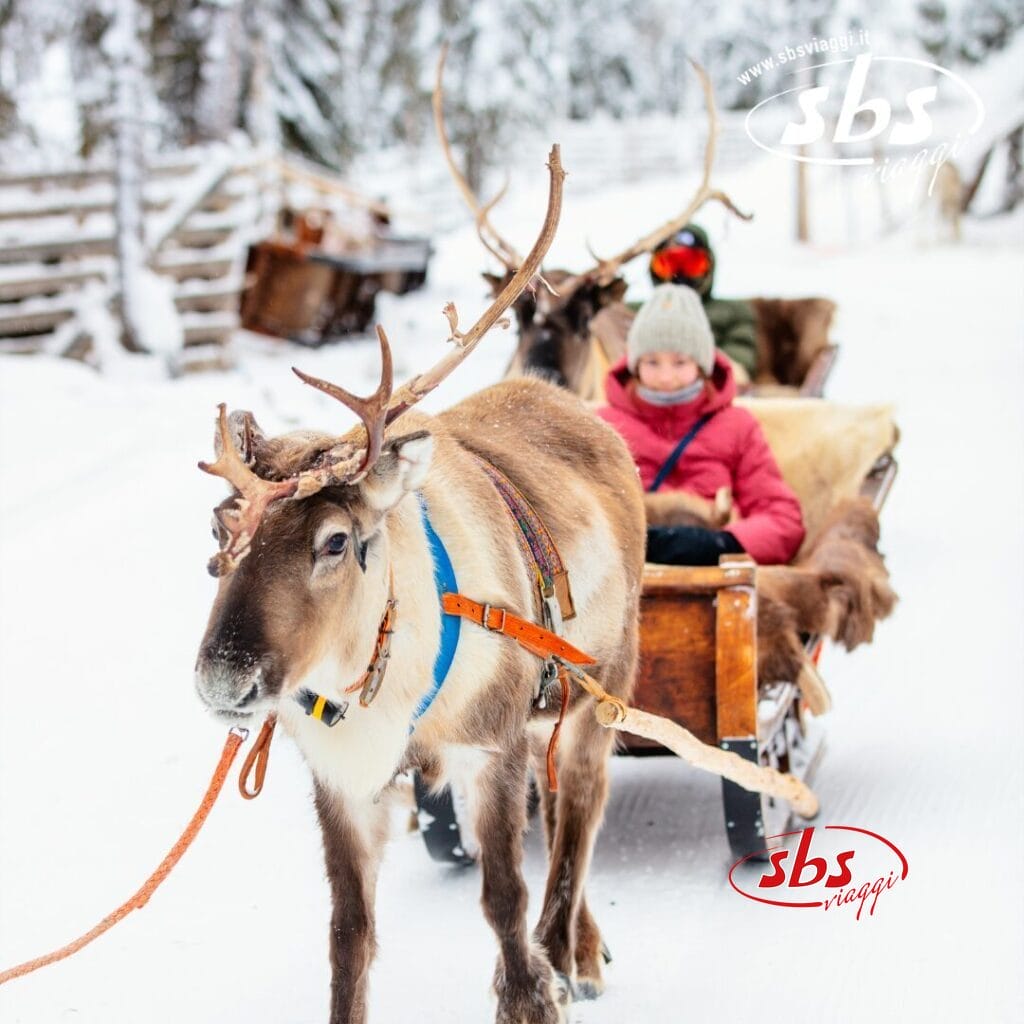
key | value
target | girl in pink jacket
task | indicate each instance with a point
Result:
(672, 396)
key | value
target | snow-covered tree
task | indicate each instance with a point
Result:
(988, 26)
(307, 71)
(331, 78)
(497, 78)
(933, 29)
(129, 171)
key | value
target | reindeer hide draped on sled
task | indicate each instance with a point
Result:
(790, 335)
(838, 588)
(824, 449)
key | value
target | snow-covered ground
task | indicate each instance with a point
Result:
(104, 750)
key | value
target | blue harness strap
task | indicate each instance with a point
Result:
(445, 582)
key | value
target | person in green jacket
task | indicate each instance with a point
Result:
(687, 258)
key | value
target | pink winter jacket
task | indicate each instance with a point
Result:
(729, 451)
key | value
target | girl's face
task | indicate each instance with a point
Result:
(666, 371)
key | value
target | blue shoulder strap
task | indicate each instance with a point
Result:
(670, 462)
(445, 582)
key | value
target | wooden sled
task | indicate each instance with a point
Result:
(298, 289)
(698, 635)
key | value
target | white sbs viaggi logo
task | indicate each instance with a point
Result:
(905, 124)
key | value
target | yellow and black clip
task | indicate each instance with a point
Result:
(320, 708)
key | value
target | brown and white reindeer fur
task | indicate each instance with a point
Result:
(292, 616)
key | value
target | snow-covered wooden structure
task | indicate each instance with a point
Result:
(57, 246)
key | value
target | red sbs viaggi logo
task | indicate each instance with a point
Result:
(831, 868)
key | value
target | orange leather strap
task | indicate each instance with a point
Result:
(553, 744)
(370, 681)
(258, 756)
(537, 640)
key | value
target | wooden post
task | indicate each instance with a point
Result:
(736, 653)
(803, 228)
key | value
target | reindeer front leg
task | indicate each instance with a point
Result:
(353, 836)
(525, 983)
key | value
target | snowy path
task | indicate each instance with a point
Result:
(103, 749)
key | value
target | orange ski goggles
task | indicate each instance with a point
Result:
(680, 261)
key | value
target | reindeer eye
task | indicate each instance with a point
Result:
(335, 544)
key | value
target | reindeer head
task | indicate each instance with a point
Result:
(315, 580)
(304, 562)
(304, 554)
(554, 325)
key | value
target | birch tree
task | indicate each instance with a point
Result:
(130, 244)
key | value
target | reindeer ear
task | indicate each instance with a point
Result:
(497, 281)
(245, 434)
(612, 292)
(402, 467)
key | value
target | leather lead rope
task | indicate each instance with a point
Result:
(258, 756)
(236, 737)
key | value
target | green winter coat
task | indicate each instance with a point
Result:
(732, 323)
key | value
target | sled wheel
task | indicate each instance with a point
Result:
(443, 822)
(441, 819)
(793, 742)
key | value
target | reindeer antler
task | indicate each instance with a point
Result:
(255, 496)
(372, 410)
(465, 341)
(605, 270)
(412, 391)
(354, 454)
(495, 244)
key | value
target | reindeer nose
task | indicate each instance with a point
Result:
(250, 696)
(225, 687)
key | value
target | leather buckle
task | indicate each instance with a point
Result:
(552, 612)
(487, 614)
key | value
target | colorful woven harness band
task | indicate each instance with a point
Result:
(535, 542)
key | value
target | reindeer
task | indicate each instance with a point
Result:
(328, 561)
(556, 339)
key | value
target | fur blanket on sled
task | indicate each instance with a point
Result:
(790, 334)
(839, 588)
(824, 449)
